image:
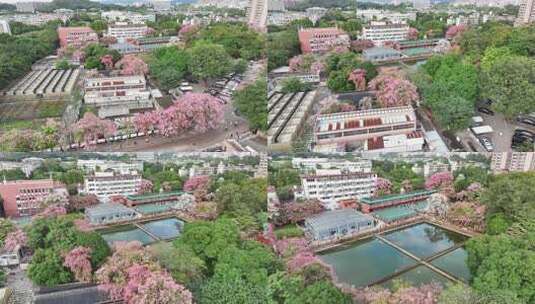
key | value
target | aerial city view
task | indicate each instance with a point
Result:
(267, 151)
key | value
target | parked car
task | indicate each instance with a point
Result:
(487, 143)
(485, 111)
(526, 120)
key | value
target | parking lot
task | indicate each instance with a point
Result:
(501, 137)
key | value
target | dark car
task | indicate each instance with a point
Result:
(524, 132)
(485, 111)
(526, 120)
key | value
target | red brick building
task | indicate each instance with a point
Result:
(24, 197)
(321, 40)
(76, 36)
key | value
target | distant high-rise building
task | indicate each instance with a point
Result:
(526, 12)
(421, 4)
(161, 5)
(28, 7)
(276, 6)
(257, 14)
(4, 27)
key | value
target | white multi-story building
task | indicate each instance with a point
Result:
(315, 13)
(512, 162)
(117, 96)
(381, 32)
(135, 18)
(257, 14)
(399, 143)
(284, 18)
(107, 184)
(100, 165)
(277, 6)
(312, 164)
(363, 125)
(331, 186)
(160, 5)
(526, 12)
(4, 27)
(123, 31)
(394, 17)
(421, 4)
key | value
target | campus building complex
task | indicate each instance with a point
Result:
(526, 12)
(24, 197)
(331, 186)
(117, 96)
(132, 17)
(322, 40)
(76, 37)
(107, 184)
(312, 164)
(99, 165)
(381, 32)
(513, 161)
(366, 125)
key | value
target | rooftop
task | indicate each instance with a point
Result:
(140, 197)
(106, 209)
(393, 197)
(337, 217)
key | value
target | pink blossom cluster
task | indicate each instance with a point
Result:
(132, 65)
(51, 211)
(186, 29)
(455, 30)
(383, 186)
(413, 34)
(133, 275)
(424, 294)
(358, 77)
(90, 128)
(107, 61)
(78, 260)
(15, 239)
(439, 180)
(317, 67)
(394, 91)
(145, 186)
(198, 112)
(197, 182)
(83, 225)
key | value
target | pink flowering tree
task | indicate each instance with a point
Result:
(187, 29)
(90, 128)
(78, 260)
(132, 65)
(301, 63)
(196, 182)
(393, 91)
(358, 77)
(317, 67)
(198, 112)
(383, 186)
(406, 294)
(338, 107)
(133, 275)
(51, 211)
(145, 186)
(107, 40)
(107, 61)
(15, 239)
(361, 45)
(455, 30)
(439, 180)
(413, 34)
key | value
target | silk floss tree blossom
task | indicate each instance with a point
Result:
(439, 180)
(107, 61)
(455, 30)
(393, 91)
(131, 274)
(358, 77)
(197, 112)
(90, 128)
(383, 186)
(78, 260)
(15, 239)
(196, 182)
(413, 34)
(132, 65)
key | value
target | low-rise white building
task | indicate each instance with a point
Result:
(107, 184)
(100, 165)
(311, 164)
(410, 142)
(395, 17)
(381, 32)
(121, 16)
(431, 168)
(117, 96)
(330, 186)
(109, 213)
